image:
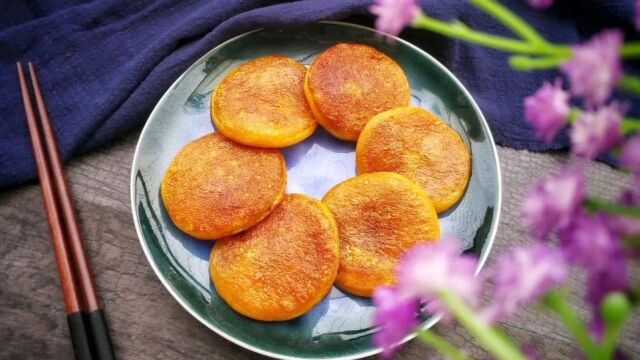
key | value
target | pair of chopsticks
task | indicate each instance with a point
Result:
(89, 332)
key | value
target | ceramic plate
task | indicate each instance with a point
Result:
(339, 327)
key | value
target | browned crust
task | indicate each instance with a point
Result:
(282, 267)
(349, 83)
(415, 143)
(379, 216)
(262, 103)
(215, 187)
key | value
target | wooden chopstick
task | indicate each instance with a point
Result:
(89, 332)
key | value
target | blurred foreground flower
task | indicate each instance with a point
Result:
(601, 283)
(395, 315)
(394, 15)
(552, 203)
(597, 236)
(430, 268)
(521, 276)
(423, 272)
(630, 158)
(547, 110)
(598, 131)
(595, 67)
(626, 226)
(588, 242)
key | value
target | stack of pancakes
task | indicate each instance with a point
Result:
(277, 255)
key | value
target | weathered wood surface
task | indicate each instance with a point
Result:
(146, 322)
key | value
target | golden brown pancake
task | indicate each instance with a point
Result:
(280, 268)
(348, 84)
(215, 187)
(262, 103)
(413, 142)
(379, 216)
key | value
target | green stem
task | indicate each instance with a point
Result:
(510, 20)
(630, 241)
(630, 84)
(609, 340)
(630, 125)
(441, 345)
(491, 339)
(558, 304)
(526, 63)
(595, 204)
(459, 30)
(630, 50)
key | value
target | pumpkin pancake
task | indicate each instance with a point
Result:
(262, 103)
(413, 142)
(280, 268)
(215, 187)
(348, 84)
(379, 216)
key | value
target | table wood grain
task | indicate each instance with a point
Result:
(147, 323)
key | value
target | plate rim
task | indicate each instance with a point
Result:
(482, 260)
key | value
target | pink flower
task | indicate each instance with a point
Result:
(522, 276)
(552, 203)
(396, 317)
(393, 15)
(625, 226)
(540, 4)
(430, 268)
(630, 157)
(547, 110)
(595, 67)
(596, 131)
(588, 242)
(636, 14)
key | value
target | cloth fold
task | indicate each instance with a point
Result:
(104, 64)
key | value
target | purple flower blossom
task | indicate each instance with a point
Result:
(589, 242)
(547, 110)
(625, 226)
(595, 67)
(597, 131)
(636, 14)
(552, 203)
(604, 281)
(540, 4)
(393, 15)
(600, 283)
(630, 157)
(530, 352)
(521, 276)
(396, 317)
(428, 268)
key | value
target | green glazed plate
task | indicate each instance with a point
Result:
(340, 326)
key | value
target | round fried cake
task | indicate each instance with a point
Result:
(215, 187)
(413, 142)
(280, 268)
(379, 216)
(262, 103)
(348, 84)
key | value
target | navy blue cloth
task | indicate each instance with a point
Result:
(104, 64)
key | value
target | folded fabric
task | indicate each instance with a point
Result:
(104, 64)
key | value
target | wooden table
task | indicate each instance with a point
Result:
(147, 323)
